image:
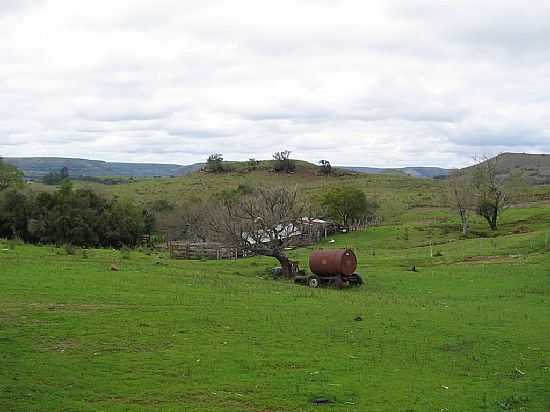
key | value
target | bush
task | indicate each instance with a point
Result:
(77, 217)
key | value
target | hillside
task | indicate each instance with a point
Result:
(36, 167)
(420, 172)
(535, 168)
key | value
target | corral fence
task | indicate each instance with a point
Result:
(204, 250)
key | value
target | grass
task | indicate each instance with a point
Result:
(467, 332)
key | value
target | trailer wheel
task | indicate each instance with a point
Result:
(338, 283)
(313, 282)
(356, 279)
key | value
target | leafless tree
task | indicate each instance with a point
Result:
(462, 197)
(263, 221)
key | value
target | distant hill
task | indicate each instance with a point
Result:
(420, 172)
(535, 168)
(36, 167)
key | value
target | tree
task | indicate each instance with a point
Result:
(324, 167)
(283, 162)
(13, 214)
(10, 176)
(262, 221)
(462, 198)
(56, 178)
(348, 205)
(214, 163)
(78, 217)
(489, 190)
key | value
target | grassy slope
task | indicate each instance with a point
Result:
(394, 193)
(222, 336)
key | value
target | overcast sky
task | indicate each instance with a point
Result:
(373, 83)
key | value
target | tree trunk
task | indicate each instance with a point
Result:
(464, 221)
(286, 265)
(492, 221)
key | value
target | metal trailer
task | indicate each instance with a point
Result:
(334, 267)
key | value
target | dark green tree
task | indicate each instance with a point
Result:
(347, 205)
(10, 176)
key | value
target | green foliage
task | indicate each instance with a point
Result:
(10, 176)
(77, 217)
(347, 205)
(56, 178)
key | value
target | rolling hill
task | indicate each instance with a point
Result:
(36, 167)
(420, 172)
(534, 168)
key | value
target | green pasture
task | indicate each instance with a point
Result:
(468, 331)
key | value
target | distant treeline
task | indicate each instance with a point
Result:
(67, 216)
(57, 178)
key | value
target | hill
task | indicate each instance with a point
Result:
(420, 172)
(535, 168)
(36, 167)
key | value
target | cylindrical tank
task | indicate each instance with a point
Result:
(333, 262)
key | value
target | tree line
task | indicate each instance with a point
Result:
(282, 163)
(79, 217)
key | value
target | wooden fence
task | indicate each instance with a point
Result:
(203, 250)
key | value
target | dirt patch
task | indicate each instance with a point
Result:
(488, 258)
(66, 345)
(72, 306)
(521, 229)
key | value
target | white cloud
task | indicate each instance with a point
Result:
(379, 83)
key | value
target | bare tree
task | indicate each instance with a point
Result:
(263, 221)
(490, 192)
(462, 198)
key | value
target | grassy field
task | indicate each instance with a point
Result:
(467, 332)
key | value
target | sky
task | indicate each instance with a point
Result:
(366, 83)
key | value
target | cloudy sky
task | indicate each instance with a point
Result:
(377, 83)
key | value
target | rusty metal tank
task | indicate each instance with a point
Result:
(333, 262)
